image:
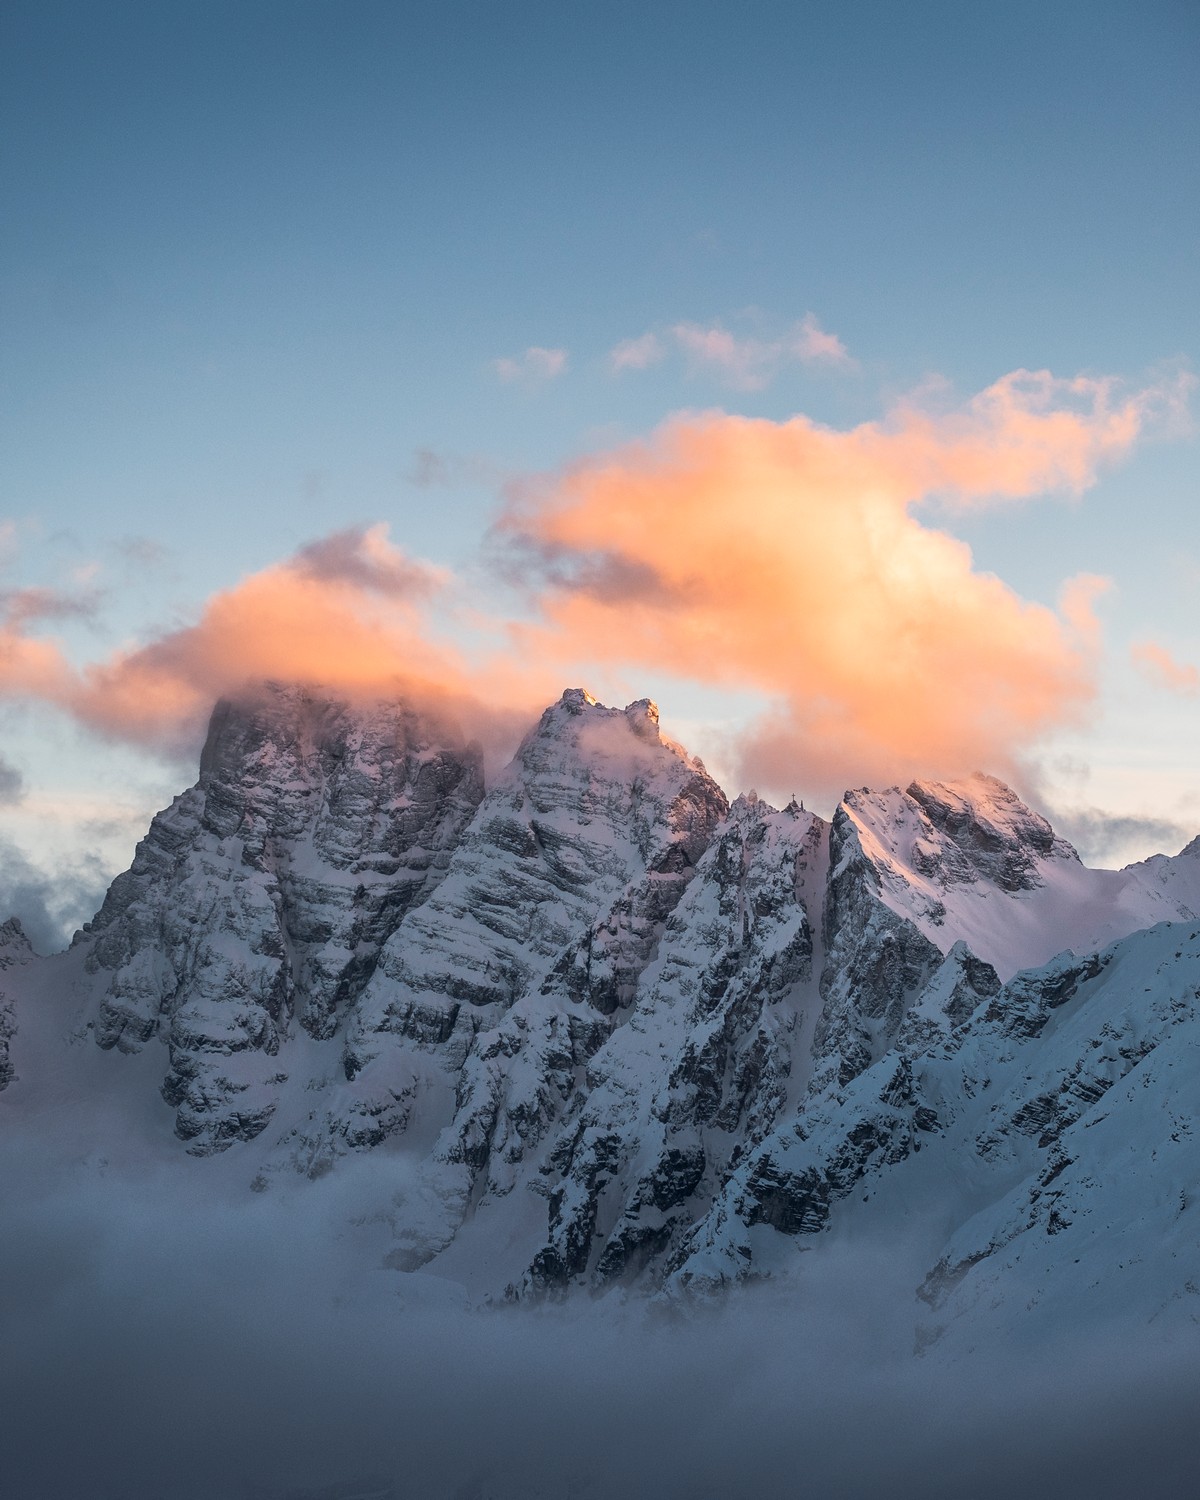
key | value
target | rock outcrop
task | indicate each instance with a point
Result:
(15, 952)
(258, 903)
(499, 989)
(701, 1066)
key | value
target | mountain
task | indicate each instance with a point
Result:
(601, 1028)
(257, 904)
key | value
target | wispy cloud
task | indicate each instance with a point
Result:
(20, 606)
(142, 551)
(745, 363)
(1101, 836)
(433, 470)
(535, 366)
(813, 345)
(364, 558)
(430, 469)
(637, 354)
(1158, 664)
(12, 784)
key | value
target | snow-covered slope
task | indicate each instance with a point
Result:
(970, 861)
(1064, 1101)
(598, 1027)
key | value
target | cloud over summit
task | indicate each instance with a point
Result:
(789, 560)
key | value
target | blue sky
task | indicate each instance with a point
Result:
(257, 258)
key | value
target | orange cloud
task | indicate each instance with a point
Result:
(785, 557)
(1163, 670)
(1027, 433)
(348, 612)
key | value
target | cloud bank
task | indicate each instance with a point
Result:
(350, 611)
(168, 1333)
(789, 560)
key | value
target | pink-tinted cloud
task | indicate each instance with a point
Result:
(534, 366)
(811, 344)
(1157, 663)
(18, 607)
(637, 354)
(745, 363)
(365, 558)
(1027, 433)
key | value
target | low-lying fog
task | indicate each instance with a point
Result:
(169, 1335)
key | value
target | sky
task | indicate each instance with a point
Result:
(825, 373)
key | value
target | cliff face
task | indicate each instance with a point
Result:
(624, 1033)
(257, 904)
(15, 952)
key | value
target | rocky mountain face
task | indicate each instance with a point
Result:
(624, 1033)
(15, 952)
(258, 902)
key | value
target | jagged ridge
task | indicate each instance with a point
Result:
(633, 1034)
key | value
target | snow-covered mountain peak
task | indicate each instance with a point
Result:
(259, 900)
(307, 731)
(956, 833)
(999, 837)
(608, 1028)
(643, 717)
(748, 805)
(969, 860)
(574, 701)
(611, 740)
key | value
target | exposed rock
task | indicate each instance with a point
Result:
(15, 951)
(703, 1062)
(261, 898)
(553, 905)
(987, 832)
(876, 962)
